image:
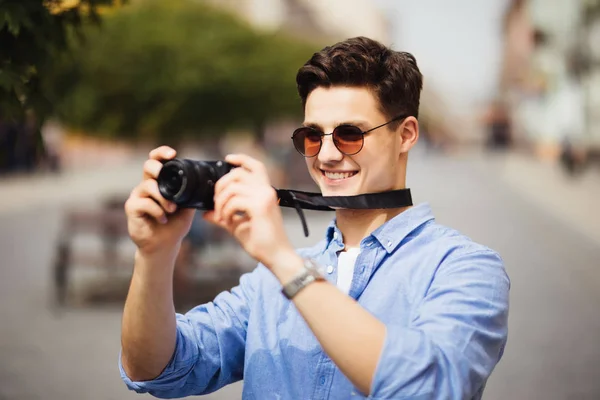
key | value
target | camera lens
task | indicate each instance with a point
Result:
(172, 180)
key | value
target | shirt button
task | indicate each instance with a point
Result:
(322, 380)
(389, 243)
(335, 235)
(330, 269)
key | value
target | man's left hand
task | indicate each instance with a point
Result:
(246, 205)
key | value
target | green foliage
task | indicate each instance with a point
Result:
(33, 33)
(166, 70)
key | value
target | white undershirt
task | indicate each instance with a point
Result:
(346, 261)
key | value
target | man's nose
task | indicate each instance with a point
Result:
(328, 152)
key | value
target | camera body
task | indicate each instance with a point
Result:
(191, 183)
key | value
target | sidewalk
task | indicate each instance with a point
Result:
(572, 200)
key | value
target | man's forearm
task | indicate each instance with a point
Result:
(148, 333)
(350, 335)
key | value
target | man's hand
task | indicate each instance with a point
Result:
(246, 205)
(155, 225)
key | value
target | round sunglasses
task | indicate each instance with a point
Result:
(347, 138)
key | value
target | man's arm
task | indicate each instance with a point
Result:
(209, 345)
(349, 334)
(164, 353)
(157, 228)
(450, 349)
(149, 329)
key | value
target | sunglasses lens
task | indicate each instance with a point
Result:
(348, 139)
(307, 141)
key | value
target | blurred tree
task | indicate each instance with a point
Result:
(33, 33)
(169, 70)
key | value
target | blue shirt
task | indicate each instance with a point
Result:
(442, 297)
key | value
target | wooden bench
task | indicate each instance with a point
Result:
(216, 263)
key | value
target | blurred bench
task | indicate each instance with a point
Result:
(213, 260)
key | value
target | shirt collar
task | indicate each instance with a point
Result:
(333, 235)
(393, 232)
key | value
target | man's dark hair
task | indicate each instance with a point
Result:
(392, 76)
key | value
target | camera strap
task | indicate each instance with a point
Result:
(316, 201)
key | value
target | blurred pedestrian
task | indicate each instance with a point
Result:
(498, 127)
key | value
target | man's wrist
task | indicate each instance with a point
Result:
(164, 260)
(310, 273)
(286, 266)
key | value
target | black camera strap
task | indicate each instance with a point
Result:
(316, 201)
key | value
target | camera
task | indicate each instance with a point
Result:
(191, 183)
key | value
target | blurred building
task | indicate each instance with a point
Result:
(551, 77)
(315, 19)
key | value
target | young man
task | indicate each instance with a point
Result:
(406, 308)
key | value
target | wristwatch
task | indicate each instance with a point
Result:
(310, 274)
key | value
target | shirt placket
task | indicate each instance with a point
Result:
(324, 378)
(329, 261)
(325, 367)
(366, 263)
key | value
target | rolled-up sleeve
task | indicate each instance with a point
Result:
(209, 351)
(455, 339)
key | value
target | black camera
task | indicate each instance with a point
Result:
(190, 183)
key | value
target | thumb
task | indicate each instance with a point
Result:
(210, 217)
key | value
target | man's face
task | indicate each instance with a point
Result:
(377, 167)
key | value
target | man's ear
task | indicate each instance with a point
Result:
(409, 132)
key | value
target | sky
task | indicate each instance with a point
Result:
(457, 45)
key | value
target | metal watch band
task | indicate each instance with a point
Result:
(309, 275)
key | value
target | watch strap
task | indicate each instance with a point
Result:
(309, 274)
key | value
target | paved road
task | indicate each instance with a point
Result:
(554, 263)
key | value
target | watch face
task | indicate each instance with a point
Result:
(312, 272)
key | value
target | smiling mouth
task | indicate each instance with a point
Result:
(338, 176)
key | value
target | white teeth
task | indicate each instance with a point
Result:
(338, 175)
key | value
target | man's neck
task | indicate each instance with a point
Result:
(355, 225)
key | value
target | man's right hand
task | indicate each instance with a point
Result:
(155, 224)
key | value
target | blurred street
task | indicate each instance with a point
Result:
(544, 226)
(509, 155)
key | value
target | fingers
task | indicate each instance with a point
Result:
(247, 184)
(237, 221)
(252, 172)
(210, 217)
(234, 211)
(153, 165)
(246, 162)
(162, 153)
(152, 168)
(235, 175)
(144, 206)
(149, 188)
(229, 191)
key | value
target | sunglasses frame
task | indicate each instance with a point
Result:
(362, 139)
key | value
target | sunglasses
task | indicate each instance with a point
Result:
(347, 138)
